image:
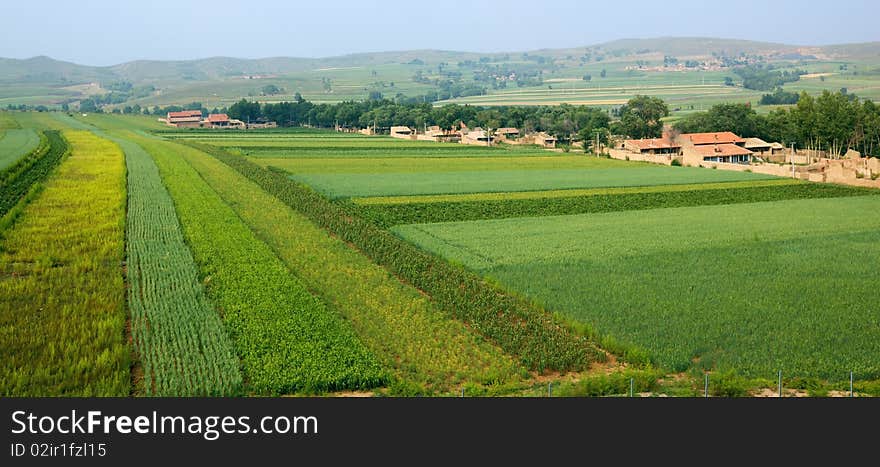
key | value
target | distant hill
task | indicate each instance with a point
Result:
(224, 79)
(46, 70)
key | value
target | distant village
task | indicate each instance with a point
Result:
(194, 119)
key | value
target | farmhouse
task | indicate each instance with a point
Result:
(477, 136)
(723, 146)
(652, 146)
(507, 134)
(401, 132)
(185, 119)
(763, 148)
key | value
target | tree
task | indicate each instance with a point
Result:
(640, 117)
(588, 77)
(602, 73)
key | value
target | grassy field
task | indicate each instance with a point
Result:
(15, 144)
(428, 352)
(62, 317)
(752, 287)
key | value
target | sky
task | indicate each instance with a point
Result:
(107, 32)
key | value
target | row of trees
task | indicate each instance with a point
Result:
(640, 117)
(832, 122)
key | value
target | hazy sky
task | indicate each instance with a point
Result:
(105, 32)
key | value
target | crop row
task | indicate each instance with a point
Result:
(62, 315)
(18, 180)
(517, 326)
(424, 213)
(179, 338)
(286, 338)
(425, 349)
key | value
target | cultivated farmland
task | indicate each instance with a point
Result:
(62, 316)
(275, 262)
(177, 334)
(754, 287)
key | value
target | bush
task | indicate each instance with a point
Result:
(675, 163)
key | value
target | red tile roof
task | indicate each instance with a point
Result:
(712, 138)
(185, 114)
(713, 150)
(215, 118)
(652, 143)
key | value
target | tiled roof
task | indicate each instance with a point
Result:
(712, 138)
(712, 150)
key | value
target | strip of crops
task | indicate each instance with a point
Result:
(341, 185)
(755, 288)
(178, 336)
(422, 165)
(424, 213)
(545, 194)
(62, 315)
(15, 144)
(17, 181)
(400, 326)
(287, 339)
(517, 326)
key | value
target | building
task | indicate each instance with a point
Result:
(218, 120)
(477, 136)
(763, 148)
(401, 132)
(544, 140)
(724, 146)
(727, 153)
(652, 146)
(185, 119)
(507, 134)
(722, 137)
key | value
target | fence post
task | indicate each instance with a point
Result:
(851, 384)
(462, 391)
(630, 387)
(549, 389)
(706, 386)
(780, 383)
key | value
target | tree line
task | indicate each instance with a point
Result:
(640, 117)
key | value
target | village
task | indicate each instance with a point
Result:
(717, 150)
(194, 119)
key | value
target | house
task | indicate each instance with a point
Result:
(507, 134)
(723, 146)
(217, 120)
(652, 146)
(185, 119)
(439, 135)
(477, 136)
(401, 132)
(722, 137)
(544, 140)
(763, 148)
(725, 152)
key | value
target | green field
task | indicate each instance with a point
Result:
(753, 287)
(344, 185)
(15, 144)
(62, 317)
(409, 335)
(178, 335)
